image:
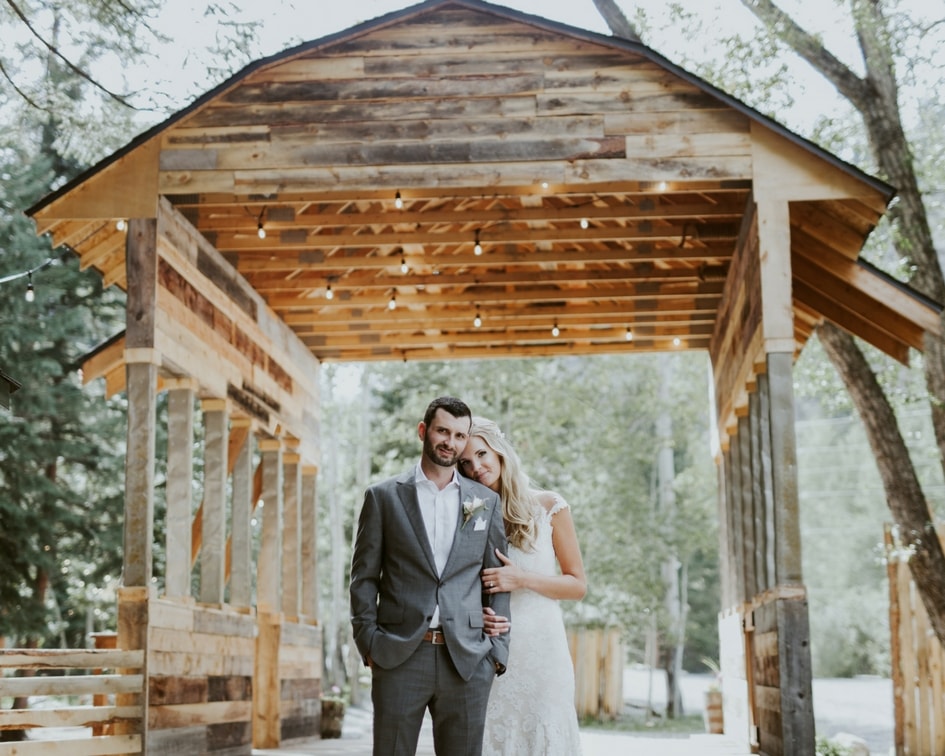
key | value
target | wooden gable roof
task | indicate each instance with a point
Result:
(606, 188)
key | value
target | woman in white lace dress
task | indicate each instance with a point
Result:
(531, 708)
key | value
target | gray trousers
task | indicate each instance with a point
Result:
(428, 680)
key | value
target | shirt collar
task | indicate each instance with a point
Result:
(420, 477)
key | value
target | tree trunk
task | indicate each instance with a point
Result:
(876, 97)
(904, 493)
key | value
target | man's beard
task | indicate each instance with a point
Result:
(435, 457)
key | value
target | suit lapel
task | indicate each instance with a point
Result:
(407, 492)
(461, 536)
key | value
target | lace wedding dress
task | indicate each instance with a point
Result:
(531, 708)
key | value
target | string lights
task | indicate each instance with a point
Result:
(403, 264)
(477, 249)
(555, 331)
(398, 201)
(392, 304)
(30, 294)
(629, 334)
(477, 321)
(329, 294)
(260, 229)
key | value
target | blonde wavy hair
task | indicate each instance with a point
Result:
(519, 499)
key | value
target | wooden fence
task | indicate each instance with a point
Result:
(598, 659)
(54, 680)
(918, 662)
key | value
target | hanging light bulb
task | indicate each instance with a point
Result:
(120, 224)
(555, 331)
(30, 294)
(676, 341)
(392, 305)
(398, 201)
(478, 248)
(477, 321)
(403, 264)
(584, 223)
(629, 335)
(260, 231)
(329, 294)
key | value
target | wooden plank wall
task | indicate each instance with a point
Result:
(200, 670)
(736, 340)
(300, 681)
(918, 662)
(214, 324)
(507, 102)
(780, 637)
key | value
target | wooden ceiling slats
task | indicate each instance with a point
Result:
(857, 323)
(915, 314)
(726, 207)
(266, 283)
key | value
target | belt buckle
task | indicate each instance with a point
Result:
(436, 637)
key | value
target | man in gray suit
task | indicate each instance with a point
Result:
(416, 596)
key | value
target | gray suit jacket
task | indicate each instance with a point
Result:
(395, 587)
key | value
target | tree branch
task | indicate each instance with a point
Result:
(20, 92)
(811, 49)
(74, 68)
(618, 23)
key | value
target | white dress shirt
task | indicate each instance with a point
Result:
(440, 511)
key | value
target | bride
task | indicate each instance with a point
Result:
(531, 707)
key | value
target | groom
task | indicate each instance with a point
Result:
(416, 597)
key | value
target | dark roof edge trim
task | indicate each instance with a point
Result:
(557, 27)
(918, 296)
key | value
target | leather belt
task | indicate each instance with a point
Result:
(435, 637)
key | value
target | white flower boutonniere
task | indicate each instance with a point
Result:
(470, 508)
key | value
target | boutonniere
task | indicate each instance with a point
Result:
(470, 508)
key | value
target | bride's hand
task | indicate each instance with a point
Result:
(503, 579)
(494, 624)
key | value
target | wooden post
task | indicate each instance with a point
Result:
(269, 566)
(759, 544)
(291, 536)
(213, 540)
(784, 469)
(241, 534)
(180, 477)
(266, 692)
(737, 543)
(141, 366)
(746, 525)
(309, 542)
(726, 547)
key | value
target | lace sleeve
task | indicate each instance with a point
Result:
(558, 503)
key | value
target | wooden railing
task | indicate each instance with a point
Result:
(60, 677)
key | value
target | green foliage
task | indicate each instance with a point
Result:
(826, 747)
(60, 444)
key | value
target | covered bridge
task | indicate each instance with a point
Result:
(450, 181)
